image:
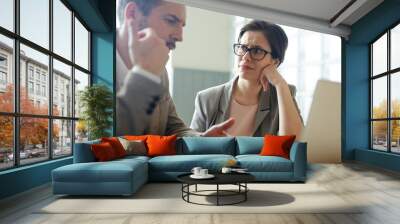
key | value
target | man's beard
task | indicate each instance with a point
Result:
(170, 43)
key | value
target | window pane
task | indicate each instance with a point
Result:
(379, 100)
(379, 135)
(7, 14)
(6, 74)
(81, 81)
(395, 94)
(6, 142)
(81, 45)
(34, 97)
(395, 129)
(62, 89)
(62, 138)
(62, 29)
(81, 131)
(312, 40)
(33, 139)
(379, 55)
(395, 47)
(35, 21)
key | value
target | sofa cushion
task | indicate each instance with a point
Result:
(161, 145)
(134, 147)
(83, 152)
(277, 145)
(116, 145)
(131, 158)
(249, 145)
(257, 163)
(103, 152)
(185, 163)
(112, 171)
(206, 145)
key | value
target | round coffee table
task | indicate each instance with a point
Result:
(238, 179)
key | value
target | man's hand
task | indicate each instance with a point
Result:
(146, 49)
(219, 130)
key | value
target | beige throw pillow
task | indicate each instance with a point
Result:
(136, 147)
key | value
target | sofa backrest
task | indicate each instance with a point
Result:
(191, 146)
(249, 145)
(83, 152)
(206, 145)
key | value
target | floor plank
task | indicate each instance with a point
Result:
(376, 189)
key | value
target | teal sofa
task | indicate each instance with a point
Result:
(125, 176)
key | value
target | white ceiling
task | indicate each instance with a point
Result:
(315, 15)
(321, 9)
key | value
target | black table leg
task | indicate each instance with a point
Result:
(242, 191)
(245, 193)
(217, 194)
(182, 190)
(188, 192)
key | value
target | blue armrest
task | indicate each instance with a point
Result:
(83, 152)
(298, 155)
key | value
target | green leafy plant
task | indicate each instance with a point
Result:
(96, 102)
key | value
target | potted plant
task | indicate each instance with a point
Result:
(96, 102)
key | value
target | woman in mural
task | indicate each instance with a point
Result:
(258, 97)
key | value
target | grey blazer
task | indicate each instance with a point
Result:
(146, 107)
(212, 107)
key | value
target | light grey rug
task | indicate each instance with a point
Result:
(166, 198)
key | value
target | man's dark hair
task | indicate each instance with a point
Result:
(145, 6)
(273, 33)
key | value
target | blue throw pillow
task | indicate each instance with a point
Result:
(206, 145)
(249, 145)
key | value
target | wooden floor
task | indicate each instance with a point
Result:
(353, 182)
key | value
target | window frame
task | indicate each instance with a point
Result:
(16, 115)
(388, 74)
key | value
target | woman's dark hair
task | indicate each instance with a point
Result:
(273, 33)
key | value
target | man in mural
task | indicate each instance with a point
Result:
(149, 30)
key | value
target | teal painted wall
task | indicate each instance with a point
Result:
(187, 82)
(379, 159)
(95, 13)
(356, 85)
(24, 178)
(103, 58)
(103, 61)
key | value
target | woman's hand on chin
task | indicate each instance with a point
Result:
(270, 74)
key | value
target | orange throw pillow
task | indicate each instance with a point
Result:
(103, 151)
(277, 145)
(116, 145)
(161, 145)
(136, 137)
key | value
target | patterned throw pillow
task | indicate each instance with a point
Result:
(134, 147)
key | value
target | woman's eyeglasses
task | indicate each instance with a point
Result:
(256, 53)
